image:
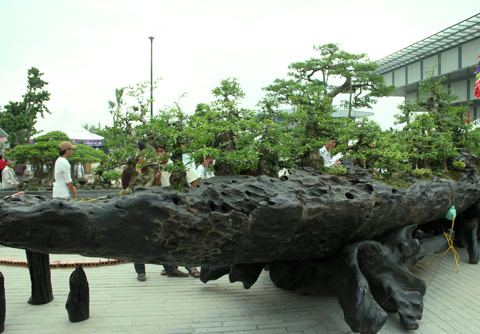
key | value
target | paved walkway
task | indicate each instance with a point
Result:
(121, 304)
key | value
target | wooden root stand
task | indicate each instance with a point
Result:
(78, 300)
(354, 235)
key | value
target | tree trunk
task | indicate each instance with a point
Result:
(313, 160)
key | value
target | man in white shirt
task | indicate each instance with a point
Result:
(8, 175)
(63, 186)
(325, 154)
(203, 167)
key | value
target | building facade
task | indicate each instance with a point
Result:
(451, 53)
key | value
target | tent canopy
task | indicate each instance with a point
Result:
(68, 124)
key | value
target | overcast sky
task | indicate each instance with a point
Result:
(88, 48)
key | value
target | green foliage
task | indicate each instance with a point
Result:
(458, 165)
(243, 140)
(121, 137)
(433, 128)
(84, 153)
(46, 147)
(337, 170)
(422, 173)
(391, 157)
(45, 151)
(133, 125)
(361, 140)
(228, 130)
(111, 175)
(52, 135)
(274, 142)
(18, 119)
(311, 90)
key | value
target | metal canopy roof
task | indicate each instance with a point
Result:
(461, 32)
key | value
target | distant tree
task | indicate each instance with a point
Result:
(18, 119)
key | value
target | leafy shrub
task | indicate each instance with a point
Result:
(459, 165)
(337, 170)
(422, 173)
(111, 175)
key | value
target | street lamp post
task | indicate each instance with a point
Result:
(151, 76)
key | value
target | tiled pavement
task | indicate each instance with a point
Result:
(121, 304)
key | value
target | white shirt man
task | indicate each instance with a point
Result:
(63, 186)
(329, 161)
(8, 175)
(203, 167)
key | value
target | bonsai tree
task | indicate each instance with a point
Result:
(434, 128)
(225, 131)
(310, 92)
(43, 153)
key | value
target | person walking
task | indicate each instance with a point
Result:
(63, 186)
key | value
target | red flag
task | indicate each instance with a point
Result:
(477, 80)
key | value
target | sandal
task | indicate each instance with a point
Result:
(194, 273)
(176, 273)
(163, 273)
